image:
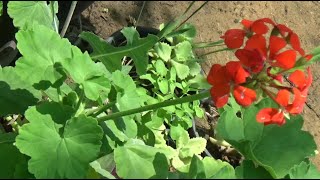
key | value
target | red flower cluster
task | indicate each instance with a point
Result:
(262, 65)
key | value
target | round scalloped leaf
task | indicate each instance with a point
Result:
(57, 151)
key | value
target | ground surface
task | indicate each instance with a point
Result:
(215, 18)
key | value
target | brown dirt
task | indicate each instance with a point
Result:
(215, 18)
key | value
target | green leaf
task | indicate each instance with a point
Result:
(181, 69)
(304, 171)
(230, 127)
(15, 94)
(196, 169)
(1, 7)
(183, 51)
(163, 85)
(247, 170)
(42, 50)
(123, 81)
(104, 166)
(15, 163)
(85, 72)
(110, 56)
(194, 146)
(25, 14)
(163, 50)
(57, 151)
(217, 169)
(161, 68)
(195, 68)
(139, 161)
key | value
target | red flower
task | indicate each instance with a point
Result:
(251, 59)
(300, 81)
(244, 96)
(270, 116)
(234, 38)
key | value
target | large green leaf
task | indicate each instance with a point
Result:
(15, 95)
(14, 164)
(135, 160)
(305, 170)
(110, 56)
(217, 169)
(247, 170)
(27, 13)
(42, 50)
(87, 73)
(57, 151)
(104, 166)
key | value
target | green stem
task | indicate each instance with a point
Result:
(208, 44)
(53, 16)
(224, 49)
(157, 106)
(99, 110)
(220, 143)
(80, 99)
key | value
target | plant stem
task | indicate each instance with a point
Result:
(99, 110)
(67, 22)
(220, 143)
(157, 106)
(136, 24)
(80, 99)
(224, 49)
(53, 16)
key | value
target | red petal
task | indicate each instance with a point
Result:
(259, 27)
(236, 71)
(297, 106)
(251, 59)
(308, 57)
(258, 42)
(212, 73)
(286, 59)
(298, 78)
(270, 116)
(246, 23)
(283, 29)
(244, 96)
(233, 38)
(295, 43)
(267, 20)
(282, 97)
(276, 43)
(218, 75)
(220, 94)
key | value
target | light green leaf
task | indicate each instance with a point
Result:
(42, 50)
(104, 166)
(163, 50)
(194, 146)
(123, 81)
(247, 170)
(182, 70)
(57, 151)
(217, 169)
(304, 171)
(138, 161)
(85, 72)
(163, 85)
(180, 135)
(15, 94)
(161, 68)
(110, 56)
(25, 14)
(183, 51)
(195, 68)
(196, 169)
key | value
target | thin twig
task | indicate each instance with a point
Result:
(67, 22)
(197, 135)
(144, 2)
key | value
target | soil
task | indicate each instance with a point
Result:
(106, 17)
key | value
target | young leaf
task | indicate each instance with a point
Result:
(139, 161)
(161, 68)
(181, 69)
(304, 171)
(57, 151)
(15, 94)
(85, 72)
(110, 56)
(194, 146)
(163, 85)
(217, 169)
(183, 51)
(163, 50)
(26, 13)
(104, 166)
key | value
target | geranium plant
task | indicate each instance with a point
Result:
(124, 112)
